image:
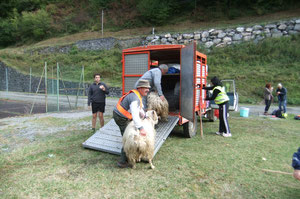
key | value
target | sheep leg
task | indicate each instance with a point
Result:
(151, 165)
(139, 158)
(133, 163)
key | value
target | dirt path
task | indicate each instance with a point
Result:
(19, 131)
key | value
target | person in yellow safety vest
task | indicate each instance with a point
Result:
(221, 98)
(130, 107)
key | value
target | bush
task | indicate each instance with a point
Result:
(8, 30)
(154, 11)
(34, 25)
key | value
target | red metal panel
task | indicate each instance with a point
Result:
(201, 81)
(153, 47)
(123, 66)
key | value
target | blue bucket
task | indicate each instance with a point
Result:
(244, 112)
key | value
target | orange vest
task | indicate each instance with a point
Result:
(122, 110)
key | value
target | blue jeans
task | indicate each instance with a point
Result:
(282, 103)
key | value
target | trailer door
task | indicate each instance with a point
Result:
(187, 82)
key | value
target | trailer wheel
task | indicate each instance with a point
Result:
(211, 116)
(190, 128)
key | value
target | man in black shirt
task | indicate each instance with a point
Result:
(97, 93)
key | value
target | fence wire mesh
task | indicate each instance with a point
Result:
(51, 88)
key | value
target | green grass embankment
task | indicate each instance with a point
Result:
(251, 65)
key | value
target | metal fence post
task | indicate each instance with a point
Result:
(46, 86)
(6, 79)
(78, 89)
(30, 71)
(57, 87)
(83, 93)
(52, 82)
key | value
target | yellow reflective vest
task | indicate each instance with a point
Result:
(222, 96)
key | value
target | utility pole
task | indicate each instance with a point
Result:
(102, 22)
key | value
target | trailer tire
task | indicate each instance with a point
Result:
(211, 116)
(190, 128)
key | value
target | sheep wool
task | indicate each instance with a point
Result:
(139, 147)
(160, 106)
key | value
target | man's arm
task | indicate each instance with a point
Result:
(157, 81)
(135, 112)
(214, 95)
(208, 87)
(106, 90)
(283, 91)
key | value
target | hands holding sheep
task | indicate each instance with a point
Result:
(143, 132)
(162, 97)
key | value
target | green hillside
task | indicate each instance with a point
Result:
(28, 25)
(251, 65)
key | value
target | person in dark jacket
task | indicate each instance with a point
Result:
(97, 94)
(282, 99)
(296, 164)
(220, 97)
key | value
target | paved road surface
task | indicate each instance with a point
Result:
(111, 102)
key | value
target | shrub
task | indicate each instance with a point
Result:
(7, 32)
(34, 25)
(155, 11)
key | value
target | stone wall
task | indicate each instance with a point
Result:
(223, 37)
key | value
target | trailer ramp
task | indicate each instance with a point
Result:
(109, 139)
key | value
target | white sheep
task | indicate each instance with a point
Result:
(160, 106)
(137, 146)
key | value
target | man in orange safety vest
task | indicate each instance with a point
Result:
(130, 107)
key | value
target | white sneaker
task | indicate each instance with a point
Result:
(218, 133)
(226, 135)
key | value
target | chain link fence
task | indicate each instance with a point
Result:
(50, 88)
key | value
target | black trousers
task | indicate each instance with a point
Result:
(268, 104)
(224, 125)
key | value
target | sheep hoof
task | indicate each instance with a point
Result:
(152, 167)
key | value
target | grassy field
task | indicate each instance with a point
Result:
(56, 166)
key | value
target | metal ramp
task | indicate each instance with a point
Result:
(109, 139)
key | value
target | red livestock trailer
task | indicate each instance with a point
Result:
(182, 89)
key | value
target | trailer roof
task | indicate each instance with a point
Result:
(153, 47)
